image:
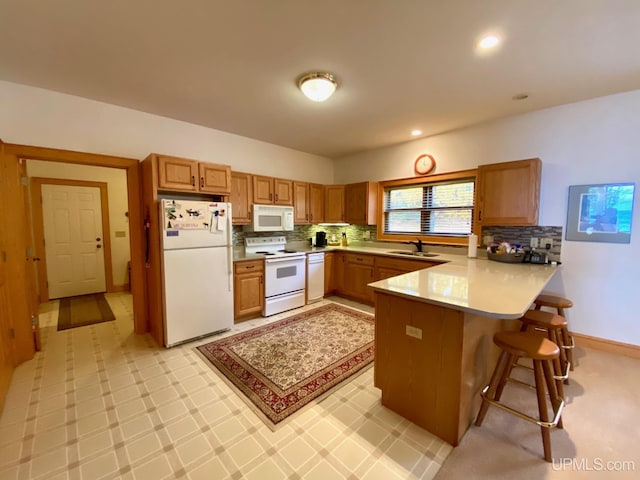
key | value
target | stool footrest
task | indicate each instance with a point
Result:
(565, 375)
(569, 347)
(528, 418)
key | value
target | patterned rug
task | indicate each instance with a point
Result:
(283, 366)
(83, 310)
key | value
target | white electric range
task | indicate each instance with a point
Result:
(284, 272)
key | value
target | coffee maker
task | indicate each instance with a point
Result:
(321, 239)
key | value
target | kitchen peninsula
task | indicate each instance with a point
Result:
(434, 331)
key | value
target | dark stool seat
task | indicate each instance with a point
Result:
(542, 352)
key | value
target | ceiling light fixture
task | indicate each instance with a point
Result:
(489, 41)
(415, 133)
(318, 86)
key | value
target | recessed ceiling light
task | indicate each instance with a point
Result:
(415, 133)
(489, 41)
(520, 96)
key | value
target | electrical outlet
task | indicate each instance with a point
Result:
(414, 332)
(546, 243)
(534, 242)
(366, 235)
(487, 240)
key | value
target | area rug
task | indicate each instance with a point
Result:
(83, 310)
(283, 366)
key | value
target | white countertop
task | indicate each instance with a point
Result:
(476, 285)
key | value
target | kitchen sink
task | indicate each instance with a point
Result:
(414, 254)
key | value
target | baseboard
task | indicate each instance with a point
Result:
(610, 346)
(119, 288)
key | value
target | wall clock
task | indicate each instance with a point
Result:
(424, 164)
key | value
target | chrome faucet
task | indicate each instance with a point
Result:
(418, 244)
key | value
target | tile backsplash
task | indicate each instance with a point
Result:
(359, 233)
(523, 235)
(302, 233)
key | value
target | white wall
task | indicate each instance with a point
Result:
(595, 141)
(116, 180)
(33, 116)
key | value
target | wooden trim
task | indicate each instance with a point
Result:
(134, 189)
(29, 152)
(604, 345)
(428, 239)
(38, 228)
(442, 177)
(120, 288)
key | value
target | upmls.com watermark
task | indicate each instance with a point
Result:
(593, 465)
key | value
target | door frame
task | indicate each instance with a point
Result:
(38, 229)
(134, 189)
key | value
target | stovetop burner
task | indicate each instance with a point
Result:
(270, 246)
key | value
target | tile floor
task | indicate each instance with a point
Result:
(102, 402)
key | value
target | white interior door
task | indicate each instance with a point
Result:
(73, 240)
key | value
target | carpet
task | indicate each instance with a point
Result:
(83, 310)
(283, 366)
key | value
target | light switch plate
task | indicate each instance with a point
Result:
(534, 242)
(414, 332)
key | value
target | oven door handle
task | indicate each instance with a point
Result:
(281, 260)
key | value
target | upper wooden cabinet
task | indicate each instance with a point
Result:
(509, 193)
(241, 197)
(215, 178)
(300, 202)
(308, 202)
(361, 206)
(334, 203)
(316, 203)
(192, 176)
(269, 190)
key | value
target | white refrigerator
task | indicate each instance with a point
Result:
(197, 269)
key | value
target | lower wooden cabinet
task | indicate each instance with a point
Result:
(329, 273)
(349, 274)
(387, 267)
(248, 289)
(358, 272)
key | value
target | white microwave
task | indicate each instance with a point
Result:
(272, 218)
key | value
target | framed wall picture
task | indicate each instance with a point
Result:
(600, 213)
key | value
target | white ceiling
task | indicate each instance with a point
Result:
(232, 65)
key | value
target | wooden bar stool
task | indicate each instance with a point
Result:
(553, 325)
(559, 303)
(542, 352)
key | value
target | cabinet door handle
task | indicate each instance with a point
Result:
(250, 266)
(311, 216)
(261, 280)
(193, 180)
(276, 197)
(480, 216)
(201, 182)
(271, 196)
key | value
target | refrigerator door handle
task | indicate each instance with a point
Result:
(229, 248)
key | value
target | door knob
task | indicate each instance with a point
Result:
(98, 239)
(98, 246)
